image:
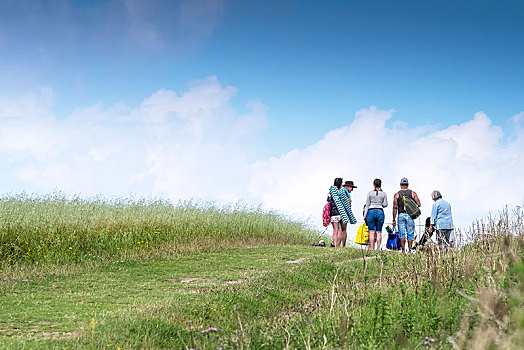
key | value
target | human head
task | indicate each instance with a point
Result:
(348, 185)
(338, 182)
(436, 195)
(377, 183)
(404, 183)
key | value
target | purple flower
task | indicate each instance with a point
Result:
(426, 342)
(432, 340)
(427, 338)
(204, 332)
(213, 329)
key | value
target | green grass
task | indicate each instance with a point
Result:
(259, 295)
(54, 229)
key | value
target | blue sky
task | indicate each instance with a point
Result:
(312, 65)
(286, 73)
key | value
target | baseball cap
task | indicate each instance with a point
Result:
(404, 181)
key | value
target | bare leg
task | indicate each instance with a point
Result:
(371, 245)
(343, 233)
(336, 234)
(403, 244)
(410, 244)
(379, 239)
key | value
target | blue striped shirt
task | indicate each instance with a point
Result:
(441, 215)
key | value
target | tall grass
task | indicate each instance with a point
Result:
(57, 229)
(470, 298)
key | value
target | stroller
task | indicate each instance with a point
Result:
(425, 236)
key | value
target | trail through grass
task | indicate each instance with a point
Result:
(128, 274)
(261, 297)
(54, 310)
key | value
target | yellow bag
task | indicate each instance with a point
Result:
(362, 235)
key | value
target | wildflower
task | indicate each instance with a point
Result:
(223, 308)
(426, 342)
(204, 332)
(70, 248)
(431, 340)
(212, 329)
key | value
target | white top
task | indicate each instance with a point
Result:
(374, 201)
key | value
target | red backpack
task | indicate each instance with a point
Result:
(326, 214)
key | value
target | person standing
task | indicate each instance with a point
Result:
(406, 225)
(348, 188)
(341, 212)
(376, 201)
(441, 219)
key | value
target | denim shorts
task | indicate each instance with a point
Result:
(406, 226)
(375, 220)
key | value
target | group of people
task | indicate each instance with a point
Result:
(376, 200)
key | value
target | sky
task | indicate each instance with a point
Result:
(264, 102)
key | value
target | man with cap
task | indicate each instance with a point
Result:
(406, 225)
(348, 188)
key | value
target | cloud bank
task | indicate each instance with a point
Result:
(196, 145)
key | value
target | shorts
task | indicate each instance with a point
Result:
(336, 218)
(406, 226)
(375, 220)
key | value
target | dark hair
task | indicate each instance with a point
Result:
(377, 183)
(338, 182)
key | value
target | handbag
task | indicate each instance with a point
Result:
(362, 235)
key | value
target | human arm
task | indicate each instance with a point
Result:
(433, 220)
(385, 202)
(415, 197)
(347, 193)
(366, 206)
(395, 209)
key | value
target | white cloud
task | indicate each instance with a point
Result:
(181, 146)
(195, 144)
(469, 163)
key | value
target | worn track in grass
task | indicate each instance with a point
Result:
(56, 309)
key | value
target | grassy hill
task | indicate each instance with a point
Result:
(149, 275)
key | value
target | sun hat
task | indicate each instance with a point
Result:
(349, 184)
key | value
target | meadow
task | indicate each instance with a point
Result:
(146, 274)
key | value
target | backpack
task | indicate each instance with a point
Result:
(326, 214)
(411, 207)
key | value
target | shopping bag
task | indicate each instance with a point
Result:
(362, 235)
(392, 242)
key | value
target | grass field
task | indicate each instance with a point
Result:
(251, 294)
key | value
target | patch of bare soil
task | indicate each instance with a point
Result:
(189, 280)
(60, 335)
(235, 282)
(298, 261)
